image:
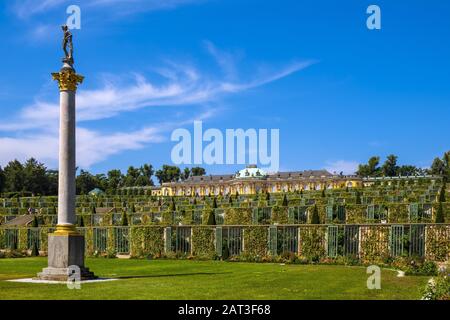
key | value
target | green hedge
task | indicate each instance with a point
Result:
(146, 241)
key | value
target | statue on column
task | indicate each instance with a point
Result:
(67, 44)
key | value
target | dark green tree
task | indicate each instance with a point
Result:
(124, 219)
(81, 222)
(168, 174)
(14, 177)
(198, 171)
(285, 201)
(442, 193)
(370, 169)
(315, 218)
(35, 250)
(211, 218)
(358, 197)
(85, 182)
(390, 168)
(440, 215)
(2, 180)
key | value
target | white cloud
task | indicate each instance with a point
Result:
(33, 131)
(183, 86)
(347, 167)
(29, 8)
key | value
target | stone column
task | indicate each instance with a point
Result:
(66, 245)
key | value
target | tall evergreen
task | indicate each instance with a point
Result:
(442, 194)
(440, 216)
(285, 201)
(124, 219)
(315, 219)
(211, 218)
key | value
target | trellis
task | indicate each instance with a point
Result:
(232, 239)
(182, 239)
(33, 236)
(100, 237)
(122, 240)
(332, 241)
(297, 215)
(287, 239)
(351, 240)
(396, 240)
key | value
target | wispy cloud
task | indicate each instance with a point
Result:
(182, 86)
(34, 130)
(29, 8)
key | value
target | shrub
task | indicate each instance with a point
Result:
(440, 217)
(35, 251)
(437, 288)
(315, 219)
(211, 218)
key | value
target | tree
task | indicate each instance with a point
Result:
(35, 251)
(115, 180)
(440, 216)
(2, 179)
(186, 174)
(168, 174)
(131, 176)
(408, 170)
(315, 219)
(211, 218)
(198, 171)
(442, 193)
(358, 198)
(147, 172)
(14, 177)
(214, 203)
(370, 169)
(390, 168)
(437, 167)
(85, 182)
(35, 223)
(124, 219)
(285, 201)
(81, 222)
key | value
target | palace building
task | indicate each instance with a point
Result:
(253, 180)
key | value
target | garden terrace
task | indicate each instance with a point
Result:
(400, 202)
(363, 243)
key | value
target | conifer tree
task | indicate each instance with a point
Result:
(440, 216)
(315, 219)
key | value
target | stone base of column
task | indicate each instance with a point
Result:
(64, 274)
(65, 254)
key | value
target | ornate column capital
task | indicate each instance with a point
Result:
(67, 79)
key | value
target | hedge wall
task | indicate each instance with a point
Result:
(203, 242)
(146, 241)
(255, 241)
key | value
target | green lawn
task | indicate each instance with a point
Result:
(168, 279)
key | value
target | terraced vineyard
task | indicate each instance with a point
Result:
(391, 219)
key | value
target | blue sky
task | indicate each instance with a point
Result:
(338, 92)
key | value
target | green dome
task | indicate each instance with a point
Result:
(96, 192)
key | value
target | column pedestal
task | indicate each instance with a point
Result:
(64, 252)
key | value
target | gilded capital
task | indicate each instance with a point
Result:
(67, 79)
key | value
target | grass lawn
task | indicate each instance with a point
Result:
(169, 279)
